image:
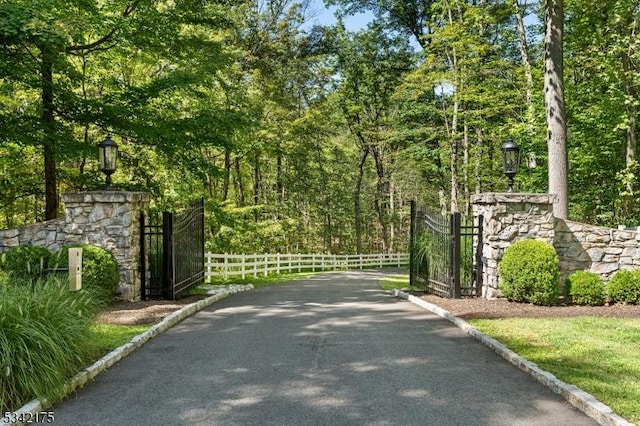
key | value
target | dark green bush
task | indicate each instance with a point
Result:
(624, 287)
(586, 288)
(44, 339)
(26, 261)
(99, 269)
(530, 273)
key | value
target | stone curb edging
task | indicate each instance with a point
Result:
(36, 406)
(580, 399)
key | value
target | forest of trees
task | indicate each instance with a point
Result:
(309, 138)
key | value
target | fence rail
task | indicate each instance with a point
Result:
(226, 265)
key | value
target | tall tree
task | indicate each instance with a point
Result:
(371, 65)
(554, 100)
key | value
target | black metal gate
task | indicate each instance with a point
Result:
(445, 250)
(172, 252)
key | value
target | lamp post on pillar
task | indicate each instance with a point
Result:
(510, 161)
(108, 157)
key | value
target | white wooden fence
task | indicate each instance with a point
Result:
(227, 265)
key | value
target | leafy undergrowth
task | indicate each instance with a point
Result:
(599, 355)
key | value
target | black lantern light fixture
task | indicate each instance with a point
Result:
(108, 157)
(510, 160)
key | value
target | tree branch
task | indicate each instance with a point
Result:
(94, 45)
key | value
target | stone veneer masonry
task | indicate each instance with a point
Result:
(509, 217)
(109, 219)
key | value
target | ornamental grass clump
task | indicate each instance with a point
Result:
(586, 288)
(45, 338)
(530, 273)
(624, 287)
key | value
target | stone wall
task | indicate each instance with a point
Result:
(509, 217)
(109, 219)
(597, 249)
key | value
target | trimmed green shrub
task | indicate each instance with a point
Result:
(530, 273)
(624, 287)
(26, 261)
(99, 269)
(44, 339)
(586, 288)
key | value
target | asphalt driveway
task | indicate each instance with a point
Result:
(328, 350)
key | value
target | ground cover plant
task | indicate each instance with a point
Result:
(599, 355)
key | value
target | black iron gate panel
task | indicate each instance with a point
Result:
(470, 248)
(445, 259)
(430, 251)
(172, 252)
(151, 257)
(184, 248)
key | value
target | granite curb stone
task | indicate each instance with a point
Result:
(580, 399)
(217, 293)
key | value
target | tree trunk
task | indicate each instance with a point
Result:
(382, 194)
(256, 184)
(392, 214)
(554, 100)
(49, 138)
(227, 174)
(632, 112)
(479, 160)
(465, 169)
(239, 183)
(524, 55)
(356, 202)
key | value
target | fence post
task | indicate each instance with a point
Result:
(243, 266)
(412, 243)
(209, 274)
(454, 270)
(266, 265)
(255, 265)
(167, 256)
(224, 268)
(277, 263)
(478, 252)
(313, 262)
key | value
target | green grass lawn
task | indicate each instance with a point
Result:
(107, 337)
(398, 282)
(599, 355)
(261, 280)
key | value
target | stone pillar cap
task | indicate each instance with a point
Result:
(513, 197)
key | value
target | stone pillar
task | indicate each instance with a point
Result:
(109, 219)
(507, 218)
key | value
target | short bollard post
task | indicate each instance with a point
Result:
(75, 269)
